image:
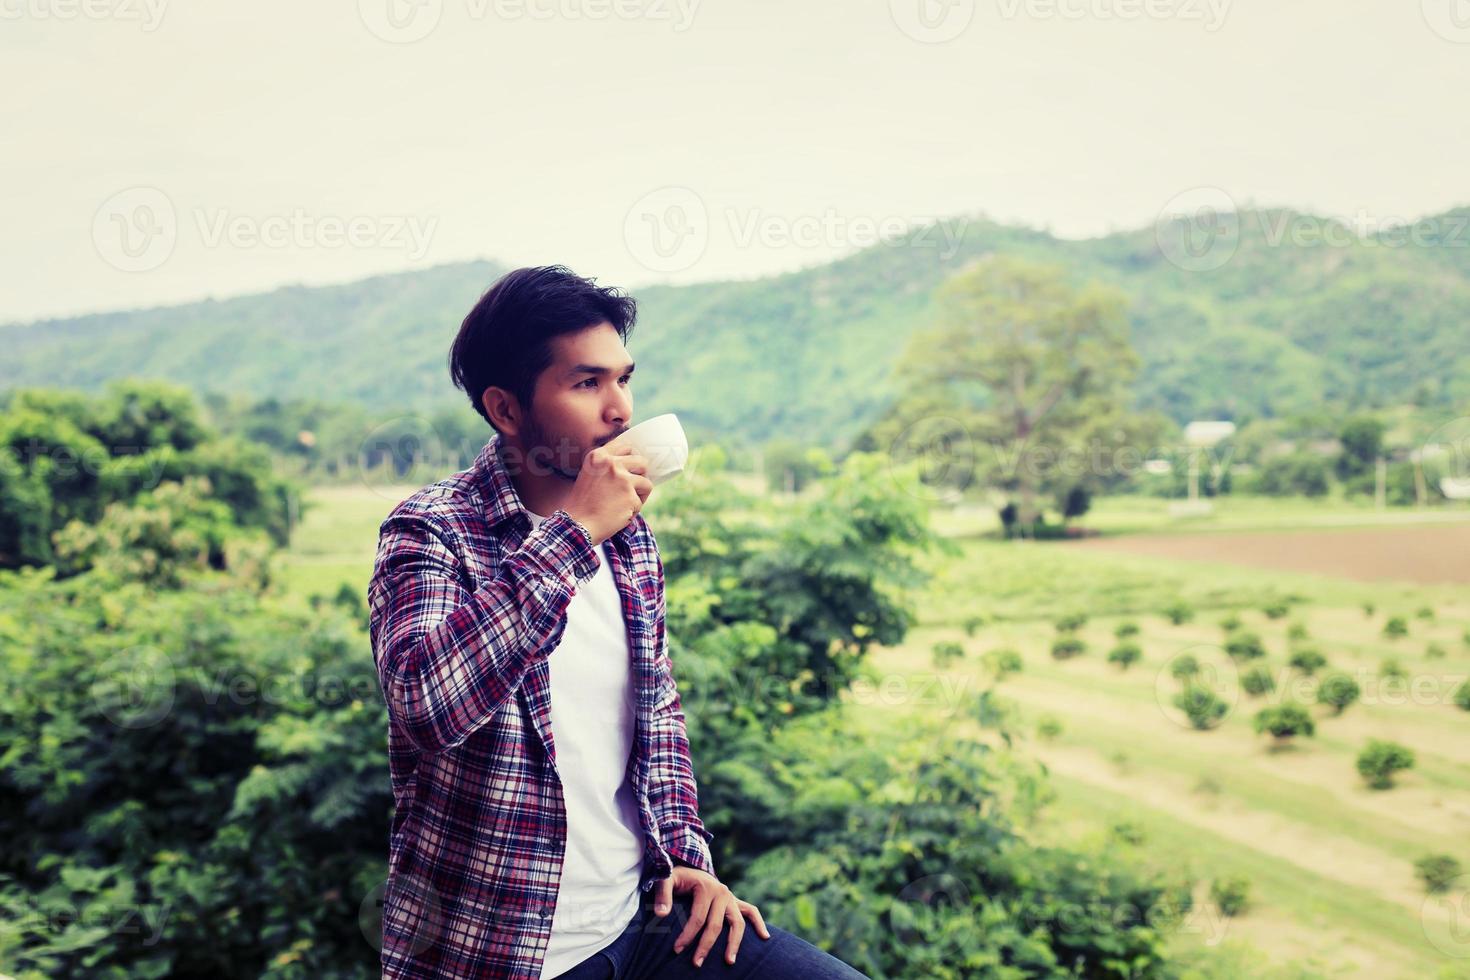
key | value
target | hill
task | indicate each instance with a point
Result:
(1295, 318)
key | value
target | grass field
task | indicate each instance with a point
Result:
(1330, 861)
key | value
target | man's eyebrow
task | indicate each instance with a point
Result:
(598, 369)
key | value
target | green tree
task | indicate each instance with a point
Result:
(1362, 444)
(1284, 722)
(1338, 690)
(1032, 367)
(1380, 759)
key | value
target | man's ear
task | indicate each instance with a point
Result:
(504, 410)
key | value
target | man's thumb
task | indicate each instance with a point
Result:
(662, 895)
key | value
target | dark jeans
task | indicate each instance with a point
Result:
(645, 951)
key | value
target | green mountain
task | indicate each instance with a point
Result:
(1265, 318)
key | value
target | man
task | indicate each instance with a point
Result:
(546, 820)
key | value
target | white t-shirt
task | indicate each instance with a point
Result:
(592, 726)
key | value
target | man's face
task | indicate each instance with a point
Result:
(583, 400)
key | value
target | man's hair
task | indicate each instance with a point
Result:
(506, 339)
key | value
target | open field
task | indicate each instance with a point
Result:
(1330, 861)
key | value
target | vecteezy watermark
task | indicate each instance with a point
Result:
(65, 462)
(137, 229)
(1445, 917)
(141, 686)
(407, 21)
(932, 21)
(146, 921)
(669, 230)
(148, 14)
(1201, 229)
(1211, 13)
(1450, 19)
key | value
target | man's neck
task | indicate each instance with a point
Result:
(540, 493)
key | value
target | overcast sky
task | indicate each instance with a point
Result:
(157, 151)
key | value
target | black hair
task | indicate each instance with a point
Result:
(506, 339)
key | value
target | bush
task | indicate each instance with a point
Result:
(1435, 651)
(1462, 696)
(1276, 609)
(1297, 632)
(1245, 646)
(1396, 627)
(1392, 668)
(1308, 660)
(972, 624)
(1125, 655)
(1437, 872)
(1297, 474)
(1003, 662)
(1068, 646)
(1179, 612)
(1231, 894)
(1126, 629)
(1201, 706)
(1284, 721)
(1426, 613)
(946, 652)
(1257, 681)
(1379, 760)
(1231, 623)
(1185, 666)
(1338, 690)
(1071, 622)
(1048, 727)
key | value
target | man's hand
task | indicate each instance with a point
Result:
(712, 905)
(612, 487)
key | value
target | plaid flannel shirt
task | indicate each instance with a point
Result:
(467, 603)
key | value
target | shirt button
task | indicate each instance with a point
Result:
(545, 911)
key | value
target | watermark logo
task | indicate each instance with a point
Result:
(932, 21)
(1445, 917)
(405, 910)
(136, 229)
(667, 230)
(1198, 687)
(934, 458)
(1210, 13)
(400, 21)
(1198, 230)
(1450, 19)
(135, 688)
(148, 14)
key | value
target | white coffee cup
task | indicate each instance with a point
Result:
(661, 439)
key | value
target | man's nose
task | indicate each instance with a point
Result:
(621, 408)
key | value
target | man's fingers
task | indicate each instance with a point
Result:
(698, 912)
(737, 931)
(663, 896)
(755, 916)
(634, 462)
(713, 926)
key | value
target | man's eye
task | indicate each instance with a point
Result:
(589, 381)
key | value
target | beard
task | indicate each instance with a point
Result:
(539, 446)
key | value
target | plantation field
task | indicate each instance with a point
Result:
(1330, 861)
